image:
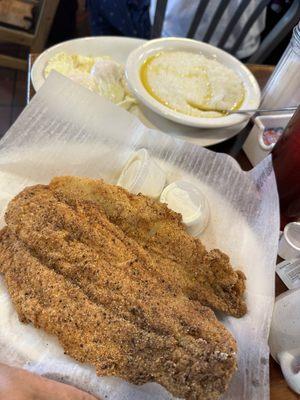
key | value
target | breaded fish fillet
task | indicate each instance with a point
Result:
(183, 261)
(75, 274)
(94, 335)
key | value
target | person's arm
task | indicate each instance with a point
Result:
(18, 384)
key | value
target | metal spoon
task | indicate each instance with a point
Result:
(260, 110)
(249, 111)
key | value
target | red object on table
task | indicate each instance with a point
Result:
(286, 163)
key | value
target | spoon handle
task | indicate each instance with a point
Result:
(263, 110)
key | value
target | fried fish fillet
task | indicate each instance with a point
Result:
(93, 334)
(183, 261)
(75, 274)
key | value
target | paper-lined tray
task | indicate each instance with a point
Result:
(67, 130)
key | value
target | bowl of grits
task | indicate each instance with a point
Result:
(191, 82)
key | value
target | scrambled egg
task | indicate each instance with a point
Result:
(192, 84)
(101, 75)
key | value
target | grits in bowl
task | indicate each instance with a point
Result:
(192, 84)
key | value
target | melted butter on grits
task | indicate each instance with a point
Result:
(190, 83)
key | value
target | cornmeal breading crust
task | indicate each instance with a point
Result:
(98, 268)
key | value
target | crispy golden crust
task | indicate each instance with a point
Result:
(184, 262)
(110, 296)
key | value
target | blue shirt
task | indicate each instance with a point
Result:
(120, 17)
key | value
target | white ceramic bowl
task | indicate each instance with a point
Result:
(139, 55)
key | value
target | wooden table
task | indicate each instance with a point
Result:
(278, 387)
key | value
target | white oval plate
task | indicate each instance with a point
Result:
(119, 49)
(138, 57)
(116, 47)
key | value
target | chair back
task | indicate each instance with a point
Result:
(35, 39)
(274, 37)
(45, 15)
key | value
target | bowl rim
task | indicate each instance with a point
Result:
(139, 55)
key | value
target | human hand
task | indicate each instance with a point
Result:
(18, 384)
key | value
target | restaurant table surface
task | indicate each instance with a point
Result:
(278, 387)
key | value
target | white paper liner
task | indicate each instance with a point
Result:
(67, 130)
